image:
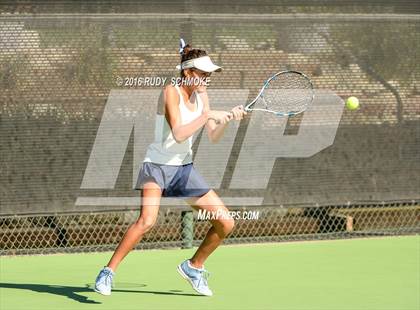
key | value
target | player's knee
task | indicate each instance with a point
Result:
(227, 226)
(144, 224)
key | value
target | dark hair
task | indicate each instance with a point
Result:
(190, 53)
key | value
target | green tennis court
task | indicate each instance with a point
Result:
(379, 273)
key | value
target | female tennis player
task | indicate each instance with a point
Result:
(168, 171)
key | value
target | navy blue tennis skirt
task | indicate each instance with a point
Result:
(175, 181)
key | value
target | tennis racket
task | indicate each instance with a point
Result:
(286, 93)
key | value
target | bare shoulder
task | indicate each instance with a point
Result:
(171, 99)
(170, 95)
(169, 89)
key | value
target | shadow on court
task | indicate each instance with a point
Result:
(71, 291)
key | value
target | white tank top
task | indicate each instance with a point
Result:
(165, 150)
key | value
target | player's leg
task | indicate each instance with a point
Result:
(193, 269)
(221, 226)
(151, 194)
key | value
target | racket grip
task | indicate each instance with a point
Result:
(216, 120)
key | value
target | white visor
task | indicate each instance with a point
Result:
(202, 63)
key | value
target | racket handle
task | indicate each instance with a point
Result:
(216, 120)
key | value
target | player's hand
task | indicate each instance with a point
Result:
(220, 117)
(238, 112)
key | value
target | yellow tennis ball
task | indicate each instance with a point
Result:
(352, 103)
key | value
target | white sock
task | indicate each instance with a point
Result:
(191, 266)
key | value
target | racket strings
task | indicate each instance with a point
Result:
(287, 93)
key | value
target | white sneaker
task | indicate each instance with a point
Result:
(196, 277)
(103, 283)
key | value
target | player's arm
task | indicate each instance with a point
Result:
(173, 116)
(215, 131)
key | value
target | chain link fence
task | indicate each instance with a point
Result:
(180, 227)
